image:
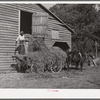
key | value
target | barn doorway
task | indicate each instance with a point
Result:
(63, 45)
(26, 22)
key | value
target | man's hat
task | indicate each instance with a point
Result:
(21, 32)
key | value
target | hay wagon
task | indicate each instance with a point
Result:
(40, 58)
(23, 64)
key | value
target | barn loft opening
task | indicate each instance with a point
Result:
(26, 22)
(63, 45)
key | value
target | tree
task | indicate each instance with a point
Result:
(84, 19)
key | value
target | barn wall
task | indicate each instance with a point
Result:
(8, 34)
(64, 34)
(9, 27)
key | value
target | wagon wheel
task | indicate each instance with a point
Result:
(56, 67)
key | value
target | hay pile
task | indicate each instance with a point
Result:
(40, 58)
(36, 44)
(60, 55)
(41, 61)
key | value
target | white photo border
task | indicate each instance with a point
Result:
(49, 93)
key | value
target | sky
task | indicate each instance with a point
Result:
(48, 5)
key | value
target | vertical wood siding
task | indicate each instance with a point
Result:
(39, 23)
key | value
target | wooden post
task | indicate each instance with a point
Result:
(96, 49)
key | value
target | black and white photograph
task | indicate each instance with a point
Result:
(49, 46)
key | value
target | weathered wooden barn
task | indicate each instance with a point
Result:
(32, 19)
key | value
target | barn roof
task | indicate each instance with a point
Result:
(63, 24)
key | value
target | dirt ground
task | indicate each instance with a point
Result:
(89, 78)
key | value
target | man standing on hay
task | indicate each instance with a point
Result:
(21, 47)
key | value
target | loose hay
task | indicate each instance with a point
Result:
(43, 61)
(60, 54)
(37, 44)
(39, 58)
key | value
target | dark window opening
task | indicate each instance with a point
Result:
(63, 45)
(26, 22)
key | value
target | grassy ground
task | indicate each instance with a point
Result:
(89, 78)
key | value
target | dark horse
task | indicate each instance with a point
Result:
(76, 58)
